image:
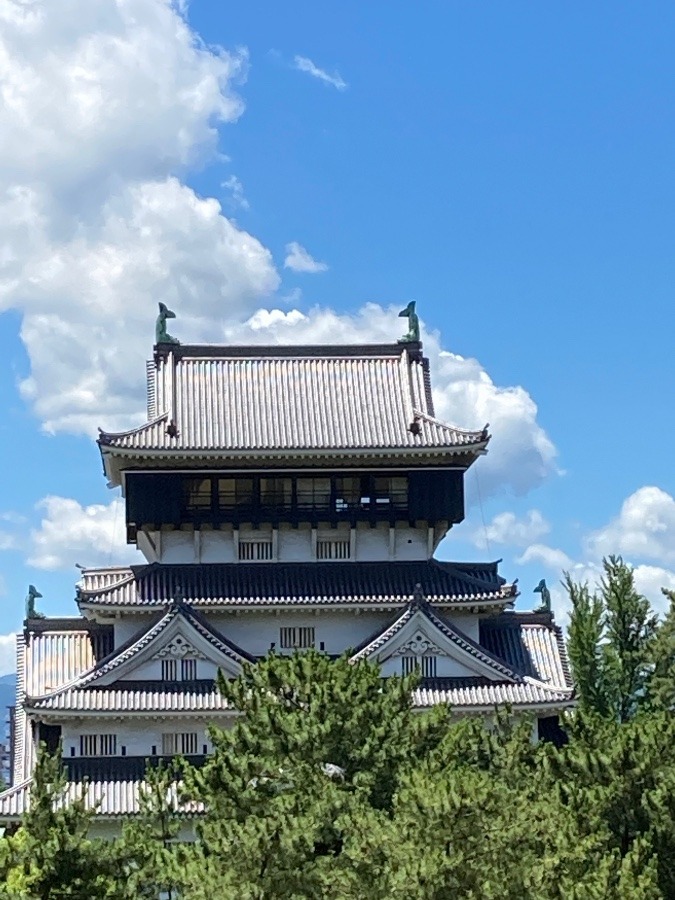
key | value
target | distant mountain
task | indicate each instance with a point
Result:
(7, 698)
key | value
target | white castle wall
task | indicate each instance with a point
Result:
(138, 736)
(186, 546)
(254, 631)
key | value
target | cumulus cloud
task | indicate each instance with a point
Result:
(70, 533)
(520, 456)
(7, 654)
(304, 64)
(644, 528)
(103, 106)
(299, 260)
(643, 531)
(507, 528)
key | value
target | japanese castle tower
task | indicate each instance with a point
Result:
(284, 498)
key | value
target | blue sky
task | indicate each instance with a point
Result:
(509, 166)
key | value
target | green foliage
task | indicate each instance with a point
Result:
(329, 785)
(661, 684)
(51, 856)
(610, 642)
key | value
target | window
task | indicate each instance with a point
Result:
(276, 493)
(197, 493)
(313, 493)
(188, 669)
(391, 492)
(184, 743)
(169, 667)
(426, 665)
(347, 493)
(171, 672)
(255, 551)
(233, 492)
(297, 638)
(98, 745)
(408, 664)
(333, 549)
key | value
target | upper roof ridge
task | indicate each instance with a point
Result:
(285, 351)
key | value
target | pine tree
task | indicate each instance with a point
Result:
(630, 626)
(610, 642)
(661, 682)
(51, 855)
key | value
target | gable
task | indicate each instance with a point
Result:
(419, 637)
(180, 641)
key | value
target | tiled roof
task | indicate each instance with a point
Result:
(53, 658)
(135, 645)
(532, 644)
(258, 585)
(483, 693)
(242, 400)
(139, 697)
(109, 798)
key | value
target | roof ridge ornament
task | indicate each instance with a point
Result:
(545, 596)
(413, 334)
(162, 336)
(32, 596)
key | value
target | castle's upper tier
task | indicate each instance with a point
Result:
(245, 403)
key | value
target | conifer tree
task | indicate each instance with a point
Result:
(661, 682)
(610, 642)
(51, 855)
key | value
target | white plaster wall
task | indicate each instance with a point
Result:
(152, 670)
(217, 546)
(446, 667)
(468, 625)
(410, 543)
(254, 632)
(294, 544)
(130, 626)
(137, 735)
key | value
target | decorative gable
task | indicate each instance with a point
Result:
(180, 634)
(419, 638)
(179, 648)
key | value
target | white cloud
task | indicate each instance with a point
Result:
(303, 64)
(644, 528)
(236, 190)
(299, 260)
(7, 654)
(520, 456)
(507, 528)
(7, 541)
(89, 535)
(103, 105)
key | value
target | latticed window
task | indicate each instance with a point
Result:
(296, 638)
(98, 745)
(333, 549)
(426, 665)
(188, 669)
(169, 670)
(184, 743)
(256, 551)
